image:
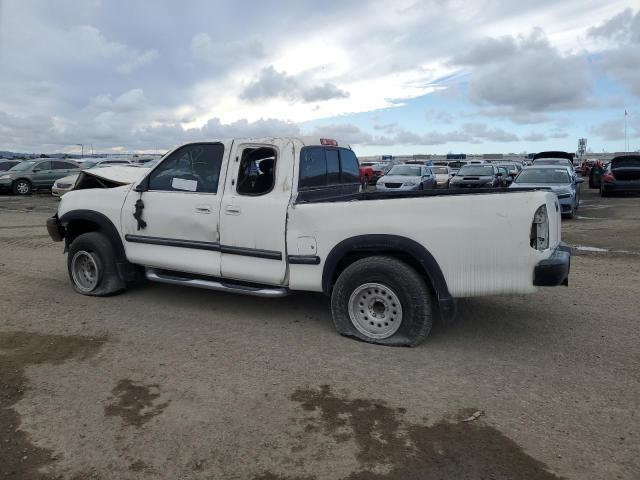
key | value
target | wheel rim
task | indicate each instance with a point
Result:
(22, 188)
(375, 310)
(84, 271)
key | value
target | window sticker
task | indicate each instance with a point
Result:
(182, 184)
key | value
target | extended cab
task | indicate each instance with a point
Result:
(270, 216)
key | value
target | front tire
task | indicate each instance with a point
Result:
(382, 300)
(91, 264)
(22, 187)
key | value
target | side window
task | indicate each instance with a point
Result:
(192, 168)
(350, 166)
(60, 165)
(333, 167)
(43, 165)
(313, 168)
(256, 173)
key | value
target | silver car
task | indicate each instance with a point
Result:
(558, 179)
(407, 178)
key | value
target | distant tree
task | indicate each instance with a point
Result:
(42, 155)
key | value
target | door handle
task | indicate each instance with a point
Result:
(232, 209)
(203, 209)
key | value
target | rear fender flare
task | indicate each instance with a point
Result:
(387, 244)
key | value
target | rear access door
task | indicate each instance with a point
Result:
(254, 212)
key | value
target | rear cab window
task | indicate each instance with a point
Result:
(327, 166)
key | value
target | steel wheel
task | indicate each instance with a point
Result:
(85, 271)
(375, 310)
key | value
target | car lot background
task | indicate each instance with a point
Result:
(167, 382)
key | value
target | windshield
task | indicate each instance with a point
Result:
(543, 175)
(552, 161)
(405, 170)
(21, 167)
(476, 170)
(440, 170)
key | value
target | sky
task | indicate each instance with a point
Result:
(400, 77)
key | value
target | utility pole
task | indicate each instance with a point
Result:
(626, 140)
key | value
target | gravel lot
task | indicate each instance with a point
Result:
(178, 383)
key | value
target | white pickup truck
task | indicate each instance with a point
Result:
(270, 216)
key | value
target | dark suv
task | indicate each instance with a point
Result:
(31, 175)
(484, 175)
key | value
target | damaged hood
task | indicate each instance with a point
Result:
(117, 174)
(109, 177)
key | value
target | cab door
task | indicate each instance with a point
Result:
(254, 212)
(180, 200)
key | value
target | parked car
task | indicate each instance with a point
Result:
(378, 170)
(587, 165)
(366, 174)
(443, 176)
(455, 166)
(31, 175)
(554, 158)
(8, 164)
(282, 219)
(65, 184)
(407, 177)
(558, 180)
(425, 162)
(622, 175)
(477, 176)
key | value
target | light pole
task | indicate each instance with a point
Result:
(82, 149)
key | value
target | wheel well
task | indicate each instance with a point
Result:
(77, 227)
(77, 222)
(355, 255)
(408, 251)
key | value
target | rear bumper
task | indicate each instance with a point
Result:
(55, 229)
(554, 270)
(621, 186)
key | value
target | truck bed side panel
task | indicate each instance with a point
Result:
(481, 242)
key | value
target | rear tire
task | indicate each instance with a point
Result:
(91, 264)
(22, 187)
(382, 300)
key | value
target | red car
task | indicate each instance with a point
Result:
(587, 165)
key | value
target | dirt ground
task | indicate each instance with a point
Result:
(177, 383)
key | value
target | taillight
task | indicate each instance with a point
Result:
(539, 238)
(608, 177)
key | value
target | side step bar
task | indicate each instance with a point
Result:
(172, 278)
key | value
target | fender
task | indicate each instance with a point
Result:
(126, 270)
(391, 243)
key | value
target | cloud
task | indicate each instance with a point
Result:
(273, 84)
(621, 61)
(535, 137)
(395, 135)
(623, 27)
(223, 52)
(525, 74)
(613, 130)
(488, 50)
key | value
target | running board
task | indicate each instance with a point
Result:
(172, 278)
